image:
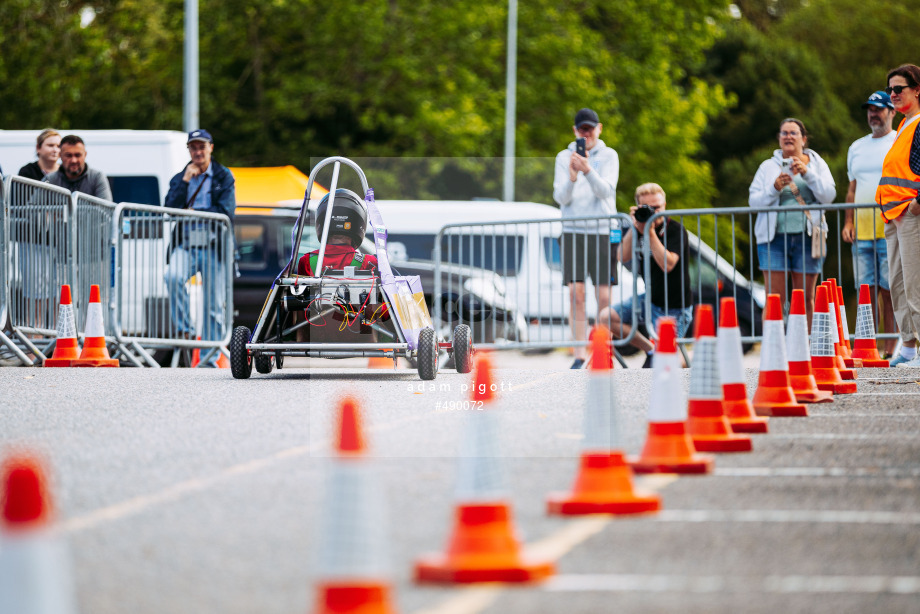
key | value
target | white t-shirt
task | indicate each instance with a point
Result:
(864, 164)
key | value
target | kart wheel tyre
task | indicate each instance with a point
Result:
(279, 360)
(463, 348)
(427, 354)
(264, 363)
(240, 360)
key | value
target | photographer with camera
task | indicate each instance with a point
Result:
(584, 185)
(669, 284)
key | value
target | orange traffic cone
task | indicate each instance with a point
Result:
(604, 483)
(668, 447)
(735, 402)
(94, 352)
(845, 373)
(66, 348)
(800, 376)
(848, 358)
(708, 426)
(381, 362)
(865, 347)
(774, 396)
(222, 362)
(352, 544)
(823, 358)
(35, 570)
(483, 546)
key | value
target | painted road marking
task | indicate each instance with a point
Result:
(790, 516)
(900, 585)
(554, 546)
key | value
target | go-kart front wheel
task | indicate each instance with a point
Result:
(240, 361)
(427, 354)
(463, 348)
(264, 363)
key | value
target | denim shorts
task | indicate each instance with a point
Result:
(683, 316)
(788, 252)
(870, 263)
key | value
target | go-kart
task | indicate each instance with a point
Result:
(347, 312)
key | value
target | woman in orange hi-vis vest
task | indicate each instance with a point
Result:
(897, 195)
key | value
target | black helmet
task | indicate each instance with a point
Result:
(349, 216)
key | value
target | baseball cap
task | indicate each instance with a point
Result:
(200, 135)
(586, 116)
(879, 99)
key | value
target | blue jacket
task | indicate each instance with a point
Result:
(223, 198)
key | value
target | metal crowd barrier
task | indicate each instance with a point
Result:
(157, 300)
(93, 251)
(709, 269)
(505, 280)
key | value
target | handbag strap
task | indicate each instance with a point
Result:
(188, 205)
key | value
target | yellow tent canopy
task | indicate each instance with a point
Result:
(271, 184)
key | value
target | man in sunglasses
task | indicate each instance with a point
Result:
(864, 169)
(584, 185)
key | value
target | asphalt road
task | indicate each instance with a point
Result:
(188, 491)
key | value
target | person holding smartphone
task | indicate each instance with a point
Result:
(584, 185)
(794, 177)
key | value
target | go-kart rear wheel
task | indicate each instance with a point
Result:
(463, 348)
(264, 363)
(240, 360)
(427, 354)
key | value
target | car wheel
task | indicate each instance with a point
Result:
(264, 363)
(240, 360)
(427, 354)
(463, 349)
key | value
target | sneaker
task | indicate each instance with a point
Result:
(578, 364)
(913, 363)
(648, 361)
(898, 360)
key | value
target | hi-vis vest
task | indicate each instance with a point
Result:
(899, 184)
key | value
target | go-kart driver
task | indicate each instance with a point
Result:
(346, 231)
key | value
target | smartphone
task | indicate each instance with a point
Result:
(786, 164)
(580, 146)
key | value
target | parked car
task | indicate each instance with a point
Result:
(468, 296)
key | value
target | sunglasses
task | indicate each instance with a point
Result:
(897, 89)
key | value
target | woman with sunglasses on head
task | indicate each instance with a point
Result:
(897, 195)
(794, 177)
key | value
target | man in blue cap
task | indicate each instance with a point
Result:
(199, 246)
(870, 252)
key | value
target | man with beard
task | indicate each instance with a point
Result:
(75, 174)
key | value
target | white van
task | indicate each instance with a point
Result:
(138, 163)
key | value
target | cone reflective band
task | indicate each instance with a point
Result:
(836, 333)
(483, 546)
(706, 421)
(66, 348)
(94, 353)
(823, 358)
(35, 568)
(774, 395)
(865, 347)
(604, 484)
(352, 569)
(801, 378)
(668, 447)
(848, 358)
(735, 402)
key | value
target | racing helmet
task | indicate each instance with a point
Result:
(349, 216)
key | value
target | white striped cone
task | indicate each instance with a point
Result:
(668, 447)
(864, 347)
(774, 395)
(845, 348)
(35, 568)
(708, 426)
(66, 348)
(735, 402)
(600, 424)
(352, 549)
(823, 355)
(94, 352)
(834, 314)
(801, 378)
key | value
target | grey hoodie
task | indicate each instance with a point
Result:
(593, 194)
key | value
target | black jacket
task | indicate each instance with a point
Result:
(223, 199)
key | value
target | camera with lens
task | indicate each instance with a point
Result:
(643, 213)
